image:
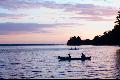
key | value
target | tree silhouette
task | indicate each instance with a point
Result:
(74, 41)
(118, 19)
(108, 38)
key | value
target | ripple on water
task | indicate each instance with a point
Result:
(42, 62)
(102, 70)
(2, 66)
(37, 71)
(49, 71)
(13, 74)
(62, 73)
(69, 71)
(15, 63)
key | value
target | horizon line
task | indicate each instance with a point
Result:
(27, 44)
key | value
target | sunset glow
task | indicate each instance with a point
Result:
(55, 21)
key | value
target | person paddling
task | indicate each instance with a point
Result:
(83, 56)
(69, 56)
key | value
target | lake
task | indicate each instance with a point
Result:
(41, 62)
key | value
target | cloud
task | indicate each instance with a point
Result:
(89, 9)
(16, 4)
(97, 12)
(92, 18)
(18, 28)
(11, 16)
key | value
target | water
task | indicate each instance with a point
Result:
(40, 62)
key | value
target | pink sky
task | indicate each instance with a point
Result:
(51, 21)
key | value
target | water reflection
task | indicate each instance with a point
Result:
(38, 63)
(118, 64)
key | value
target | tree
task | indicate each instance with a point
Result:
(111, 37)
(118, 19)
(74, 41)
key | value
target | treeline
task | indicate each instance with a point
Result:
(108, 38)
(77, 41)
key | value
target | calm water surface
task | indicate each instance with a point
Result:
(37, 62)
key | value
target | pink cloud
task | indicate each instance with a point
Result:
(88, 9)
(92, 18)
(96, 12)
(14, 28)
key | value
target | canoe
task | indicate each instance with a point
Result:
(74, 49)
(67, 58)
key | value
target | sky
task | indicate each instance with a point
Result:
(55, 21)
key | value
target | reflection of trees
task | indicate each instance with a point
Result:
(118, 64)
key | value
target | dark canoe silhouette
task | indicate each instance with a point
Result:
(74, 49)
(67, 58)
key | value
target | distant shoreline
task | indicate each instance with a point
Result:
(49, 45)
(28, 44)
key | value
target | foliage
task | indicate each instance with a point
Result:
(108, 38)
